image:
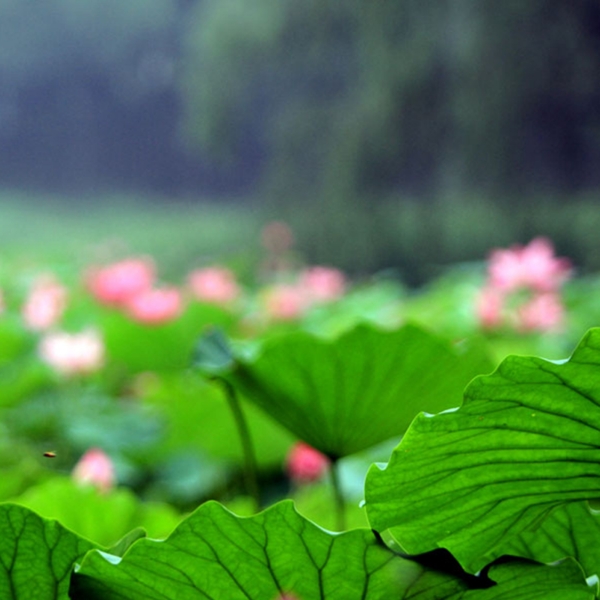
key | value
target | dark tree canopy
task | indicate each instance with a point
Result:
(368, 97)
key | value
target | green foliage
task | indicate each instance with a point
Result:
(199, 417)
(275, 554)
(569, 530)
(240, 32)
(104, 518)
(535, 582)
(215, 554)
(344, 395)
(523, 444)
(36, 555)
(494, 499)
(505, 474)
(278, 553)
(138, 348)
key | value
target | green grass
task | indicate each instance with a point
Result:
(39, 229)
(418, 239)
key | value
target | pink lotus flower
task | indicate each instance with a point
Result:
(285, 302)
(117, 283)
(73, 353)
(95, 468)
(45, 304)
(215, 285)
(522, 288)
(533, 266)
(305, 464)
(544, 312)
(490, 307)
(323, 284)
(543, 271)
(155, 307)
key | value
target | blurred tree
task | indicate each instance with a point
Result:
(523, 81)
(356, 101)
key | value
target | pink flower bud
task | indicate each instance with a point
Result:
(155, 307)
(95, 468)
(73, 353)
(215, 285)
(115, 284)
(305, 464)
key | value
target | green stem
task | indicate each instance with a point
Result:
(338, 495)
(250, 466)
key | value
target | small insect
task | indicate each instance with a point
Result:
(50, 454)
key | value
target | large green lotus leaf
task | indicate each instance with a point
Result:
(470, 480)
(214, 554)
(346, 394)
(531, 581)
(36, 555)
(571, 530)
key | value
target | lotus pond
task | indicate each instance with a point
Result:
(293, 434)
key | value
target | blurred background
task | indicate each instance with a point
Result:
(402, 136)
